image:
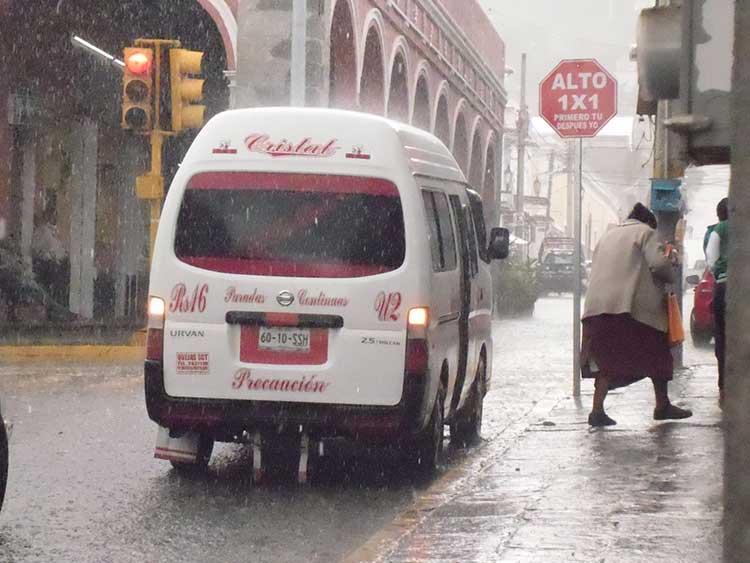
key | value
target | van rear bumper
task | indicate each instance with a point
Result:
(224, 418)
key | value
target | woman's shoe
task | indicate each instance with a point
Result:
(600, 419)
(671, 412)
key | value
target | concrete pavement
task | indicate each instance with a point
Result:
(560, 491)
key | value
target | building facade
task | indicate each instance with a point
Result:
(68, 207)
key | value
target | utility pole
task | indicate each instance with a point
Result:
(736, 422)
(550, 174)
(522, 126)
(570, 158)
(670, 161)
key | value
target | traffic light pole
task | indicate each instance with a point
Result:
(150, 186)
(142, 111)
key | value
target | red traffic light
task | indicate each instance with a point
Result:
(138, 63)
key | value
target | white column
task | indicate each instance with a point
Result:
(28, 190)
(299, 52)
(83, 219)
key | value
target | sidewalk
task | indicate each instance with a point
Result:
(639, 491)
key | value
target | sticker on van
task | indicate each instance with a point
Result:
(243, 378)
(192, 363)
(225, 147)
(234, 296)
(184, 301)
(262, 143)
(387, 306)
(358, 153)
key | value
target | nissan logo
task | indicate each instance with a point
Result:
(285, 298)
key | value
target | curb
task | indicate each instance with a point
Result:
(53, 353)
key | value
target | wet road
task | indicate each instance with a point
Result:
(84, 485)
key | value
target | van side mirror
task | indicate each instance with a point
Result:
(499, 247)
(693, 280)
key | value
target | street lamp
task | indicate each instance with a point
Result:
(96, 51)
(506, 197)
(537, 186)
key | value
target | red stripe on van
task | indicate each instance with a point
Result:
(282, 319)
(292, 182)
(280, 268)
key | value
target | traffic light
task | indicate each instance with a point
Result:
(186, 88)
(137, 89)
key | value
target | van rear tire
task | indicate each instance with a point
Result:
(205, 449)
(427, 450)
(467, 428)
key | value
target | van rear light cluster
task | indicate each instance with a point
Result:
(417, 354)
(155, 329)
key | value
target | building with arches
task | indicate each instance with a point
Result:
(437, 64)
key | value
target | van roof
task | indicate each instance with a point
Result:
(340, 138)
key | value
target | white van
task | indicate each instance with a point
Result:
(321, 273)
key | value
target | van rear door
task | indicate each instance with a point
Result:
(296, 265)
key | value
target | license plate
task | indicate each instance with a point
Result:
(284, 339)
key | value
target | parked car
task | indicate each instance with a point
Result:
(702, 315)
(556, 273)
(699, 266)
(4, 433)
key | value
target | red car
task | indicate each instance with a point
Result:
(702, 316)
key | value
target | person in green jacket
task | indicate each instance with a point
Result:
(717, 251)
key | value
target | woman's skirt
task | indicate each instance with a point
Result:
(624, 350)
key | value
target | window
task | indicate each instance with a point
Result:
(559, 259)
(432, 225)
(447, 235)
(297, 225)
(441, 229)
(477, 213)
(472, 242)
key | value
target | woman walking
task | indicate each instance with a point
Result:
(625, 318)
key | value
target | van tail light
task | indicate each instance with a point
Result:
(417, 354)
(155, 329)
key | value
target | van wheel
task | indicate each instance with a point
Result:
(427, 450)
(205, 448)
(467, 429)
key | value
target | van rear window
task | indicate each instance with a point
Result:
(297, 225)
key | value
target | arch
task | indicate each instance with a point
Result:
(489, 185)
(225, 21)
(460, 144)
(460, 147)
(442, 127)
(476, 157)
(372, 90)
(490, 173)
(398, 95)
(342, 91)
(420, 113)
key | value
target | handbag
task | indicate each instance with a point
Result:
(675, 331)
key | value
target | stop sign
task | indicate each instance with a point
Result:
(578, 98)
